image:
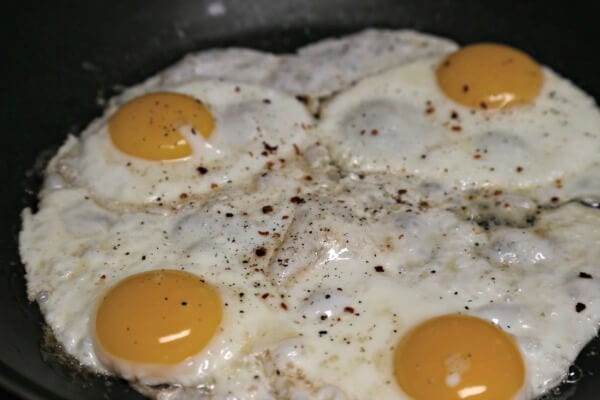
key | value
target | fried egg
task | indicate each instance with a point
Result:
(192, 284)
(485, 116)
(163, 146)
(210, 242)
(369, 280)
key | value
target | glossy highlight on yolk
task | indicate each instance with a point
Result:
(158, 317)
(459, 357)
(148, 126)
(489, 76)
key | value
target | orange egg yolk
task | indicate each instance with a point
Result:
(489, 76)
(158, 317)
(148, 126)
(459, 357)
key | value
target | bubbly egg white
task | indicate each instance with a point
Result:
(360, 238)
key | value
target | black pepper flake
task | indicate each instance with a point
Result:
(266, 101)
(555, 199)
(519, 169)
(260, 251)
(184, 303)
(579, 307)
(585, 275)
(297, 149)
(269, 148)
(202, 170)
(465, 88)
(229, 215)
(302, 98)
(378, 268)
(349, 310)
(483, 105)
(267, 209)
(284, 306)
(322, 333)
(297, 200)
(265, 295)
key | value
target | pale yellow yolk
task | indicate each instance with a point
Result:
(459, 357)
(158, 317)
(148, 126)
(489, 76)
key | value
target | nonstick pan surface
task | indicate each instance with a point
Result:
(60, 57)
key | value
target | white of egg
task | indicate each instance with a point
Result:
(313, 71)
(254, 128)
(402, 123)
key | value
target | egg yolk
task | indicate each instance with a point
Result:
(158, 317)
(458, 357)
(148, 126)
(490, 76)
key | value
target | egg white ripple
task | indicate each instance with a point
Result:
(314, 71)
(400, 122)
(254, 126)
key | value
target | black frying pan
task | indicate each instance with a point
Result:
(62, 56)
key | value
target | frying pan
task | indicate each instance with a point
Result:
(61, 57)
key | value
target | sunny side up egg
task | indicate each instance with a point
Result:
(359, 272)
(299, 279)
(484, 117)
(160, 299)
(180, 142)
